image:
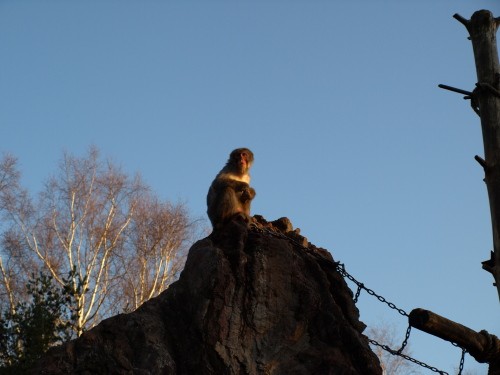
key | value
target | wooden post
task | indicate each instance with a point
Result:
(485, 101)
(481, 345)
(482, 28)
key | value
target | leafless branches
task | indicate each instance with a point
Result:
(122, 244)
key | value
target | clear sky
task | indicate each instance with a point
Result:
(353, 140)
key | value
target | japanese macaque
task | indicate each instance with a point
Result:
(230, 194)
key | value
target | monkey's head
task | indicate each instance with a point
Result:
(240, 160)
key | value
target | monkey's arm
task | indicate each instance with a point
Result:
(244, 191)
(248, 194)
(224, 199)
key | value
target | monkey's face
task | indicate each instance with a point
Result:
(242, 158)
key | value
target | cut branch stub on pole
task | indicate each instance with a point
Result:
(481, 161)
(468, 96)
(482, 28)
(481, 345)
(454, 89)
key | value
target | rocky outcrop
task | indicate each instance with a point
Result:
(249, 301)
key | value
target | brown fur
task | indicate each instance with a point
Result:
(230, 193)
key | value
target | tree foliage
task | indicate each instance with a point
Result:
(30, 328)
(121, 244)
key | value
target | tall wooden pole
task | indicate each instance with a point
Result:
(485, 100)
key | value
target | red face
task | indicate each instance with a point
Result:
(243, 158)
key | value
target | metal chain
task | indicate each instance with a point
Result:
(358, 292)
(408, 358)
(405, 341)
(462, 360)
(340, 268)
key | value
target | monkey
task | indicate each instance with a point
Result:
(230, 193)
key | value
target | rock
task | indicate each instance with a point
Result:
(247, 302)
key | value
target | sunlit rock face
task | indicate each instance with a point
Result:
(249, 301)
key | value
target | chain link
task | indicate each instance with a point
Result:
(408, 358)
(405, 342)
(358, 292)
(462, 360)
(340, 268)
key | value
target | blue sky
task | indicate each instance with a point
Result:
(338, 100)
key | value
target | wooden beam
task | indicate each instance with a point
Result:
(481, 345)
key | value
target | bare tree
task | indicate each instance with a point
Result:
(9, 268)
(391, 364)
(100, 225)
(156, 245)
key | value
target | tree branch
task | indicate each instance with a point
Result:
(462, 20)
(454, 89)
(481, 161)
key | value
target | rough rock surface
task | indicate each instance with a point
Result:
(258, 301)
